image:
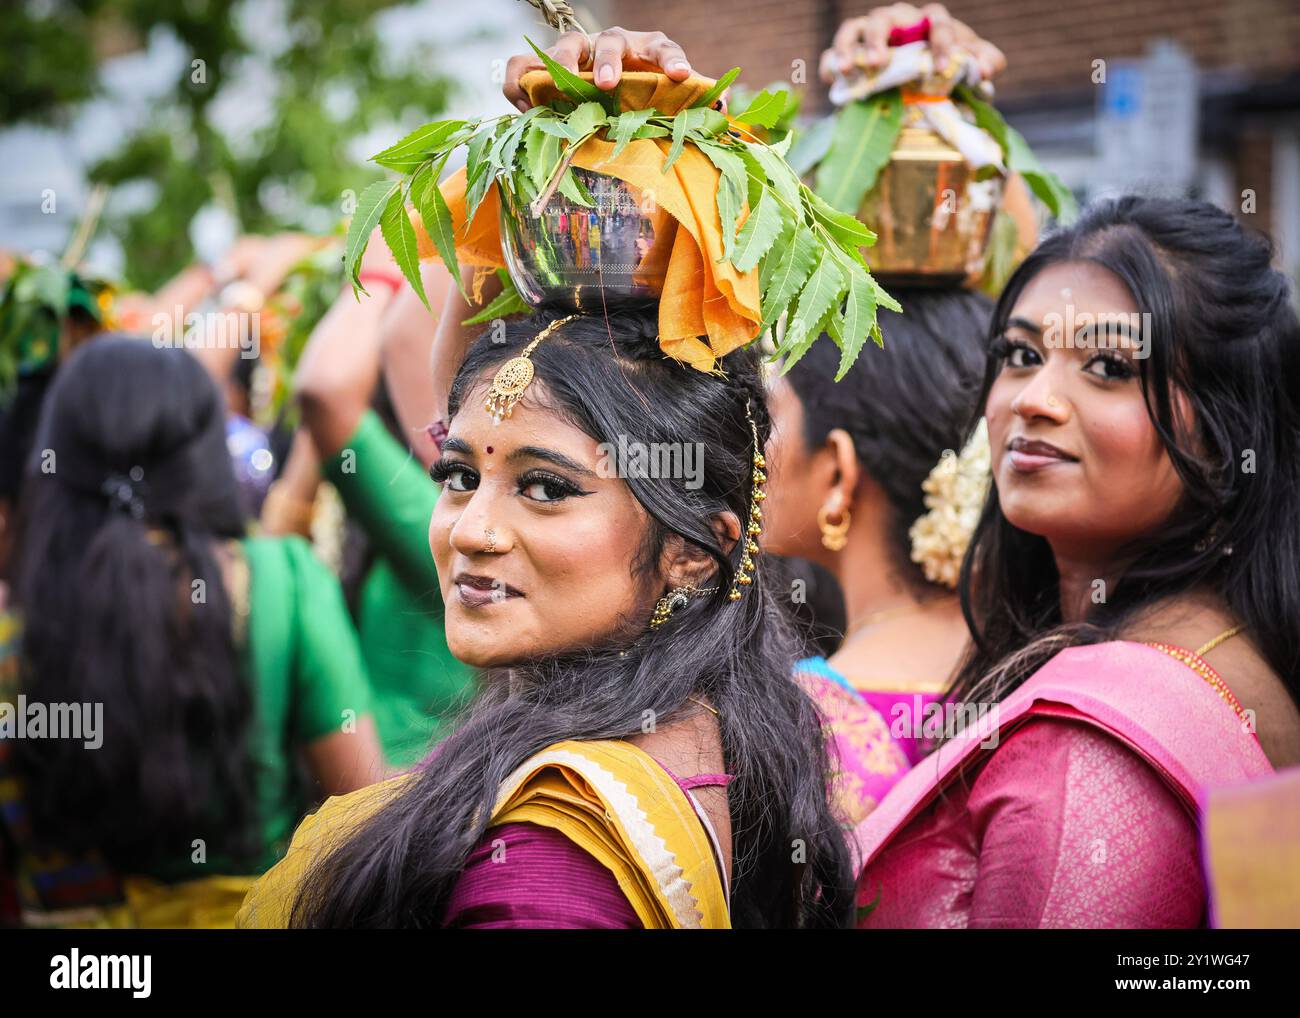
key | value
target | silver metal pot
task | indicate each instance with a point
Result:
(614, 254)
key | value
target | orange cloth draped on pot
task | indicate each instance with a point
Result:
(707, 308)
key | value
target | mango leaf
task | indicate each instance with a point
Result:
(417, 146)
(720, 86)
(622, 128)
(765, 109)
(370, 209)
(436, 217)
(507, 302)
(811, 146)
(758, 234)
(578, 89)
(823, 291)
(865, 133)
(399, 235)
(1020, 158)
(789, 273)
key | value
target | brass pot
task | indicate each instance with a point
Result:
(573, 257)
(931, 216)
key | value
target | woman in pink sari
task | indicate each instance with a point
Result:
(1143, 405)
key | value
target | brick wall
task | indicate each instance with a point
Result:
(1050, 44)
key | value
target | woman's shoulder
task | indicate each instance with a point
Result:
(1216, 643)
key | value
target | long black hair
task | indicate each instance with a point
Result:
(903, 408)
(122, 604)
(1224, 333)
(607, 377)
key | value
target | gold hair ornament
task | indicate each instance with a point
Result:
(755, 524)
(514, 375)
(678, 597)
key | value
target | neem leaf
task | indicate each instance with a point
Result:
(436, 217)
(578, 89)
(719, 86)
(865, 132)
(573, 189)
(586, 118)
(507, 302)
(766, 108)
(859, 318)
(681, 123)
(399, 235)
(849, 232)
(789, 273)
(624, 127)
(758, 234)
(417, 146)
(822, 292)
(370, 208)
(541, 155)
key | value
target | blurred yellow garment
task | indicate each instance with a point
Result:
(209, 903)
(707, 308)
(1252, 853)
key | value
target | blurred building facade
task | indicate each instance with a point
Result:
(1198, 97)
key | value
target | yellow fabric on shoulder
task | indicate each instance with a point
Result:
(702, 296)
(609, 798)
(618, 804)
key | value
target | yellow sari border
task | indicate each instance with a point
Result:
(651, 838)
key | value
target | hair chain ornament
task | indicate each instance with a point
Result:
(678, 597)
(754, 527)
(514, 375)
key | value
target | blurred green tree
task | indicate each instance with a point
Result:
(330, 82)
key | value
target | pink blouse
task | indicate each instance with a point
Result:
(1063, 827)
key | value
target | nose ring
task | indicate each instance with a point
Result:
(491, 539)
(1053, 402)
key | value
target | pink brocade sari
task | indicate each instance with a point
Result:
(1077, 807)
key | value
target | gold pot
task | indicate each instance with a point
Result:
(931, 216)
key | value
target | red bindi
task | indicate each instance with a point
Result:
(489, 449)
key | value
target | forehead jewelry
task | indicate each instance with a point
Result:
(514, 375)
(754, 526)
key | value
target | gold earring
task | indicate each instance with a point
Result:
(754, 527)
(834, 535)
(678, 597)
(513, 376)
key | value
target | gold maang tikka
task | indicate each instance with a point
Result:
(754, 527)
(514, 375)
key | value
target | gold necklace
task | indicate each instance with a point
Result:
(873, 619)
